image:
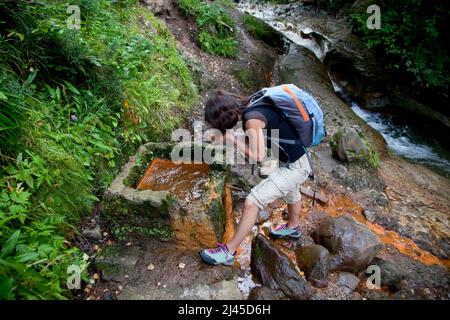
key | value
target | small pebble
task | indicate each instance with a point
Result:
(105, 234)
(182, 265)
(120, 288)
(96, 276)
(128, 244)
(151, 267)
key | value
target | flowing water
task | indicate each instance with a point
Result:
(407, 139)
(404, 136)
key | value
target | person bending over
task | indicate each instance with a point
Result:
(223, 110)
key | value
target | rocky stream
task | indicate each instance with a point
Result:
(155, 217)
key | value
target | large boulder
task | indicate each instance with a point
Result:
(352, 245)
(313, 260)
(408, 277)
(276, 271)
(350, 144)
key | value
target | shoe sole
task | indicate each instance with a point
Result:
(205, 259)
(284, 236)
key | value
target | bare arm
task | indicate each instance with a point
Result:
(256, 149)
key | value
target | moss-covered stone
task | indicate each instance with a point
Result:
(114, 262)
(147, 213)
(350, 145)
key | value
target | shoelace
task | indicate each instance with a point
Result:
(282, 227)
(220, 247)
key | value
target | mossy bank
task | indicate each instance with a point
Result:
(77, 97)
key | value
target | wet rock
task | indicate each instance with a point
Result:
(350, 145)
(265, 293)
(116, 261)
(370, 214)
(391, 273)
(382, 217)
(340, 173)
(94, 233)
(276, 271)
(352, 245)
(313, 260)
(347, 280)
(402, 273)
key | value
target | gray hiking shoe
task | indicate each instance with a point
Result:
(283, 230)
(219, 255)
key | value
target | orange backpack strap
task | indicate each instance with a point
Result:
(297, 102)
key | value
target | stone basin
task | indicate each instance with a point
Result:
(183, 181)
(154, 197)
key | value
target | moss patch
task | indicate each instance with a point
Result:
(262, 31)
(217, 29)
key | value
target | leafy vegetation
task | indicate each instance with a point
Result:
(412, 38)
(217, 30)
(260, 30)
(74, 104)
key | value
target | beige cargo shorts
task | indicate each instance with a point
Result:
(282, 183)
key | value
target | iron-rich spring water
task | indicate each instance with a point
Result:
(184, 181)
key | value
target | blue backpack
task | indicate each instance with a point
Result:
(302, 110)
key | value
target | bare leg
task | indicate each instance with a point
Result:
(246, 224)
(294, 214)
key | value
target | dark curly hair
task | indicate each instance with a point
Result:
(223, 109)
